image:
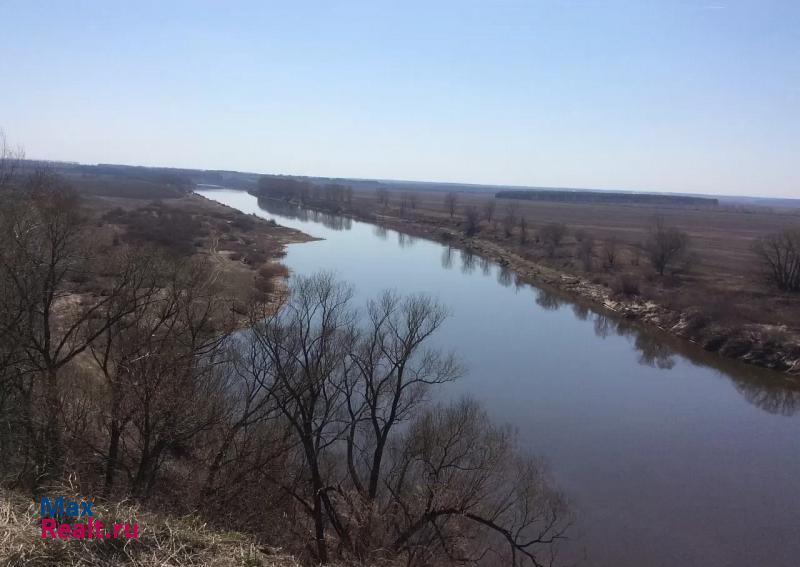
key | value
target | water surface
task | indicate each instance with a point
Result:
(670, 455)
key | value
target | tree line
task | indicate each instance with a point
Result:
(301, 190)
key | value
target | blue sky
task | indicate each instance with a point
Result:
(679, 95)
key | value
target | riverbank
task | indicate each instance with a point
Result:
(243, 251)
(761, 344)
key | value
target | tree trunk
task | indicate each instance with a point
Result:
(113, 456)
(52, 434)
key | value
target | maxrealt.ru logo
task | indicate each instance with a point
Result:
(58, 521)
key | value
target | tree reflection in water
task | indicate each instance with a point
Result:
(447, 257)
(767, 390)
(486, 265)
(653, 350)
(504, 276)
(581, 311)
(405, 240)
(467, 261)
(380, 232)
(328, 220)
(777, 398)
(548, 300)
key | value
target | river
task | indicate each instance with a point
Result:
(670, 456)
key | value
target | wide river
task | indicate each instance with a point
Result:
(669, 455)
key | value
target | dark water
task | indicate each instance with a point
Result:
(671, 457)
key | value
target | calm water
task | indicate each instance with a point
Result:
(670, 456)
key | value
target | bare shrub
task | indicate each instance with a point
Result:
(586, 252)
(523, 230)
(509, 220)
(610, 252)
(265, 280)
(626, 284)
(488, 210)
(163, 226)
(405, 203)
(472, 221)
(382, 195)
(551, 236)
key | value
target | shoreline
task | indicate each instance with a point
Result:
(750, 344)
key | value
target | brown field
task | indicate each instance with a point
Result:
(722, 238)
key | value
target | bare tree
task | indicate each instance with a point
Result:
(44, 254)
(156, 364)
(306, 344)
(10, 161)
(112, 350)
(472, 492)
(451, 203)
(610, 252)
(405, 203)
(347, 393)
(779, 254)
(413, 200)
(488, 210)
(382, 195)
(665, 246)
(391, 374)
(586, 252)
(551, 236)
(523, 230)
(472, 221)
(509, 220)
(174, 392)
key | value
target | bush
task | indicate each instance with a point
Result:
(627, 285)
(265, 280)
(170, 228)
(696, 320)
(736, 347)
(551, 235)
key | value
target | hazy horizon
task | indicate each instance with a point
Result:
(417, 181)
(680, 97)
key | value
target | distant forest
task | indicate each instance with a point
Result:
(606, 197)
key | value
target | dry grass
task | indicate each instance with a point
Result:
(163, 541)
